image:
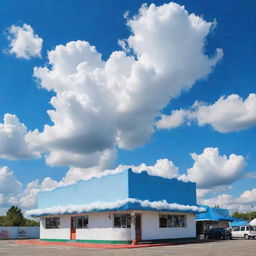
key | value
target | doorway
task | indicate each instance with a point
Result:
(73, 228)
(138, 227)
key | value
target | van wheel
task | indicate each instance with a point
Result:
(246, 237)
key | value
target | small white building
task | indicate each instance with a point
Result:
(119, 208)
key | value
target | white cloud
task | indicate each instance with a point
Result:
(201, 192)
(223, 201)
(241, 203)
(10, 187)
(227, 114)
(24, 43)
(176, 119)
(210, 169)
(159, 205)
(100, 159)
(100, 105)
(12, 192)
(247, 197)
(13, 143)
(163, 168)
(28, 198)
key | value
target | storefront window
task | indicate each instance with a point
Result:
(82, 221)
(122, 220)
(52, 222)
(172, 221)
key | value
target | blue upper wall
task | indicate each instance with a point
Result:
(153, 188)
(119, 187)
(106, 189)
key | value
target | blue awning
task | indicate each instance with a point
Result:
(238, 222)
(213, 214)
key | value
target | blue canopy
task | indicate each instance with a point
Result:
(238, 222)
(213, 214)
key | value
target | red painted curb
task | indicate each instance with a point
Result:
(90, 245)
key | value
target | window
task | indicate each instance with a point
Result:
(235, 228)
(82, 221)
(122, 220)
(242, 229)
(172, 221)
(53, 222)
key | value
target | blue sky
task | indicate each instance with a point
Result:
(102, 24)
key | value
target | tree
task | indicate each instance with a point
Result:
(2, 218)
(32, 223)
(245, 215)
(14, 217)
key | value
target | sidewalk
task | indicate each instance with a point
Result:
(107, 246)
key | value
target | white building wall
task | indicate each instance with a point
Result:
(151, 230)
(12, 232)
(59, 233)
(101, 228)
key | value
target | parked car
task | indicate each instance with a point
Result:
(245, 232)
(218, 233)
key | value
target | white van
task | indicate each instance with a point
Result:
(245, 232)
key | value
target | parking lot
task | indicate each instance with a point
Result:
(216, 248)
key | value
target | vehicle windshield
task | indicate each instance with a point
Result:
(253, 228)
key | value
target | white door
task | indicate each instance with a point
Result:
(242, 232)
(235, 231)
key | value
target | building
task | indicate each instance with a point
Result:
(213, 217)
(119, 208)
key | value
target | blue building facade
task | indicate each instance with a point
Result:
(125, 186)
(119, 208)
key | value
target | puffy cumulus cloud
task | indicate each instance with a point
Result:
(163, 168)
(100, 159)
(227, 114)
(176, 119)
(13, 193)
(13, 143)
(24, 43)
(201, 192)
(210, 169)
(10, 187)
(100, 105)
(28, 198)
(222, 201)
(247, 197)
(240, 203)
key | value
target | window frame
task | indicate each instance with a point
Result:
(124, 223)
(172, 221)
(48, 224)
(83, 217)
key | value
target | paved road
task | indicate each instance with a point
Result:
(219, 248)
